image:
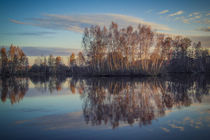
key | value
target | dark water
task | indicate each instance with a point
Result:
(175, 107)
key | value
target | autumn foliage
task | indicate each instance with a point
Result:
(13, 61)
(115, 51)
(131, 50)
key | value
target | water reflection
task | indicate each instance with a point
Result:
(14, 89)
(115, 100)
(138, 100)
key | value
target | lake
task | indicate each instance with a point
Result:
(170, 107)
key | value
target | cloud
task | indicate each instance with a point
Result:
(17, 22)
(176, 14)
(78, 22)
(183, 19)
(197, 17)
(191, 19)
(38, 51)
(201, 20)
(207, 21)
(204, 29)
(205, 42)
(196, 13)
(30, 33)
(164, 11)
(187, 21)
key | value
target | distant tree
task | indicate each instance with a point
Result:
(185, 43)
(51, 64)
(38, 61)
(4, 60)
(51, 61)
(72, 59)
(14, 61)
(197, 49)
(58, 61)
(81, 59)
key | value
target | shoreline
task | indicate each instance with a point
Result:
(103, 75)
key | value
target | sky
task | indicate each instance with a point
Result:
(60, 23)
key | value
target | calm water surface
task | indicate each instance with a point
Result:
(176, 107)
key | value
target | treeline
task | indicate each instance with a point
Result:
(140, 50)
(116, 51)
(14, 62)
(55, 66)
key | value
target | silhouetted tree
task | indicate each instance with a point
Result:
(72, 59)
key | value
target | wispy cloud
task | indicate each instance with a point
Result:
(187, 21)
(194, 14)
(198, 17)
(30, 33)
(177, 13)
(204, 39)
(204, 29)
(190, 19)
(19, 22)
(202, 20)
(78, 22)
(207, 21)
(164, 11)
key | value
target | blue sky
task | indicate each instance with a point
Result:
(52, 23)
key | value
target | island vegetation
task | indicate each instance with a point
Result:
(116, 51)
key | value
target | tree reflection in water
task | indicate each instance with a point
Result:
(115, 100)
(138, 100)
(13, 88)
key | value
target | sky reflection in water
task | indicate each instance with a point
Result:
(176, 107)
